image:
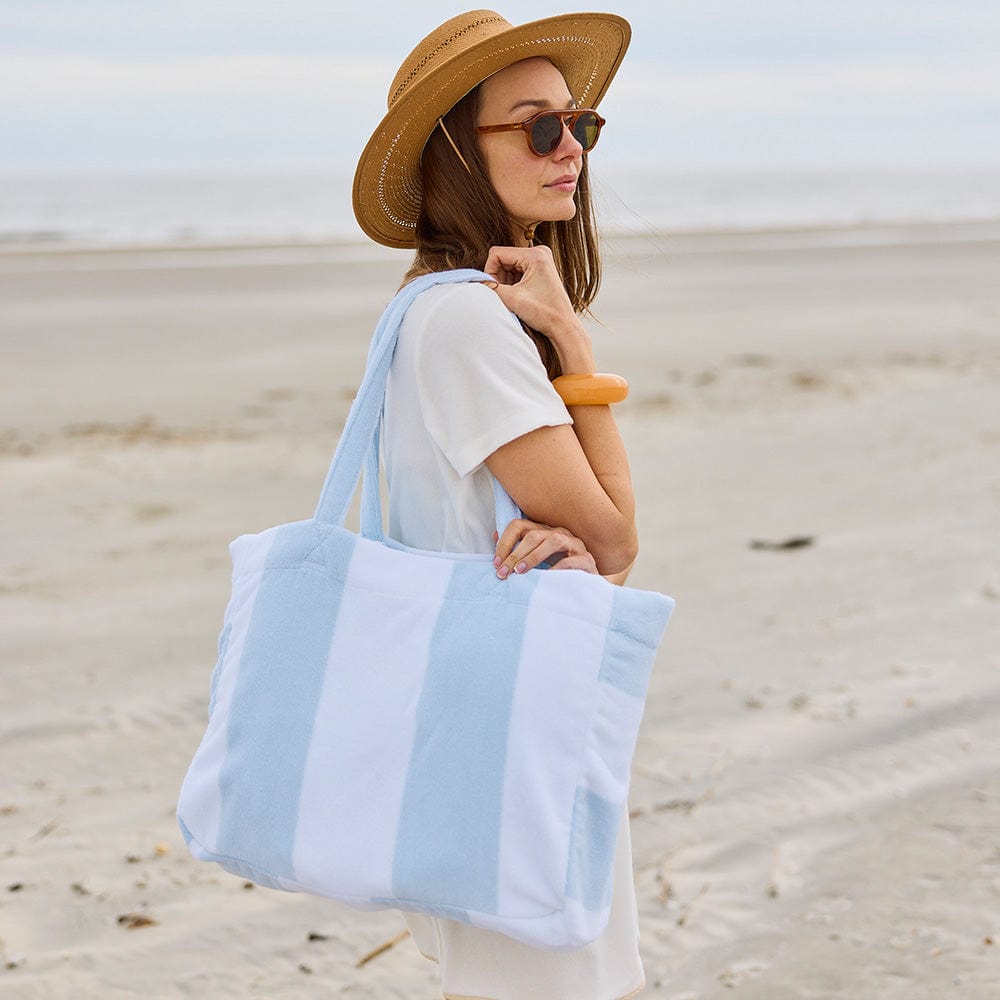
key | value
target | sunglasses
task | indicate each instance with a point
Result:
(544, 131)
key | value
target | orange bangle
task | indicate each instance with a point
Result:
(590, 390)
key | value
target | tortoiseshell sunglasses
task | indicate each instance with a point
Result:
(544, 130)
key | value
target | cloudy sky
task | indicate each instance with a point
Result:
(277, 84)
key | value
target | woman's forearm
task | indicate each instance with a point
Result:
(595, 426)
(597, 432)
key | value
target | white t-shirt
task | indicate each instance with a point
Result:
(466, 379)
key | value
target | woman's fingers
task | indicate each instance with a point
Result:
(528, 283)
(527, 266)
(510, 539)
(525, 544)
(507, 264)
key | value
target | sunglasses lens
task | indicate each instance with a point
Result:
(586, 130)
(547, 130)
(546, 133)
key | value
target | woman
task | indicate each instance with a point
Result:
(470, 168)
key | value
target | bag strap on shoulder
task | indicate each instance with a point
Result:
(359, 440)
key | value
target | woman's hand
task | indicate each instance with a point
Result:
(529, 285)
(524, 544)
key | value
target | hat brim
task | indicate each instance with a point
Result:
(586, 48)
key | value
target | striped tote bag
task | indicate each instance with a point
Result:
(395, 728)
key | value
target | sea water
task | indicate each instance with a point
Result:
(315, 206)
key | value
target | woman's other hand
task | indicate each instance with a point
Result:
(530, 287)
(524, 544)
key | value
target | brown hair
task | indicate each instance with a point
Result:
(461, 217)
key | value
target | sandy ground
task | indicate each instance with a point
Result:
(816, 798)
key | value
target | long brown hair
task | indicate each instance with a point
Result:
(461, 217)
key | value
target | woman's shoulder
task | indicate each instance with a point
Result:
(474, 295)
(469, 310)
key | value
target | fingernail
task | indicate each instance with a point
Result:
(503, 572)
(491, 284)
(520, 567)
(496, 560)
(496, 536)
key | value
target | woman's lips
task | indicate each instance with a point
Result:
(567, 183)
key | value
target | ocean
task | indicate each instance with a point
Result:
(315, 206)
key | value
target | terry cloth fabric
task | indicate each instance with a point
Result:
(465, 380)
(393, 727)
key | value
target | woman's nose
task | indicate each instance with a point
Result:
(569, 146)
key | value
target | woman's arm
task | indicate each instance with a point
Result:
(576, 477)
(550, 477)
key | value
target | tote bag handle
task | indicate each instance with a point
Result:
(359, 441)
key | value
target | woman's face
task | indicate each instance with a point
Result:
(532, 188)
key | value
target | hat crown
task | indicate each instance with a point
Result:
(444, 43)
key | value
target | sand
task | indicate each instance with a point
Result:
(816, 801)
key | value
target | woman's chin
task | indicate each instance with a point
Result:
(559, 212)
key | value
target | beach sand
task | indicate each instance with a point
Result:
(816, 800)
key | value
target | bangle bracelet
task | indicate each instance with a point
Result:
(590, 390)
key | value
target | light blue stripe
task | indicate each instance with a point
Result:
(448, 842)
(638, 619)
(276, 697)
(233, 865)
(592, 849)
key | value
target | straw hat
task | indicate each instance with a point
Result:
(452, 60)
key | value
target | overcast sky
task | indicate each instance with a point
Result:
(265, 84)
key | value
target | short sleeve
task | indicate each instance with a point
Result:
(479, 376)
